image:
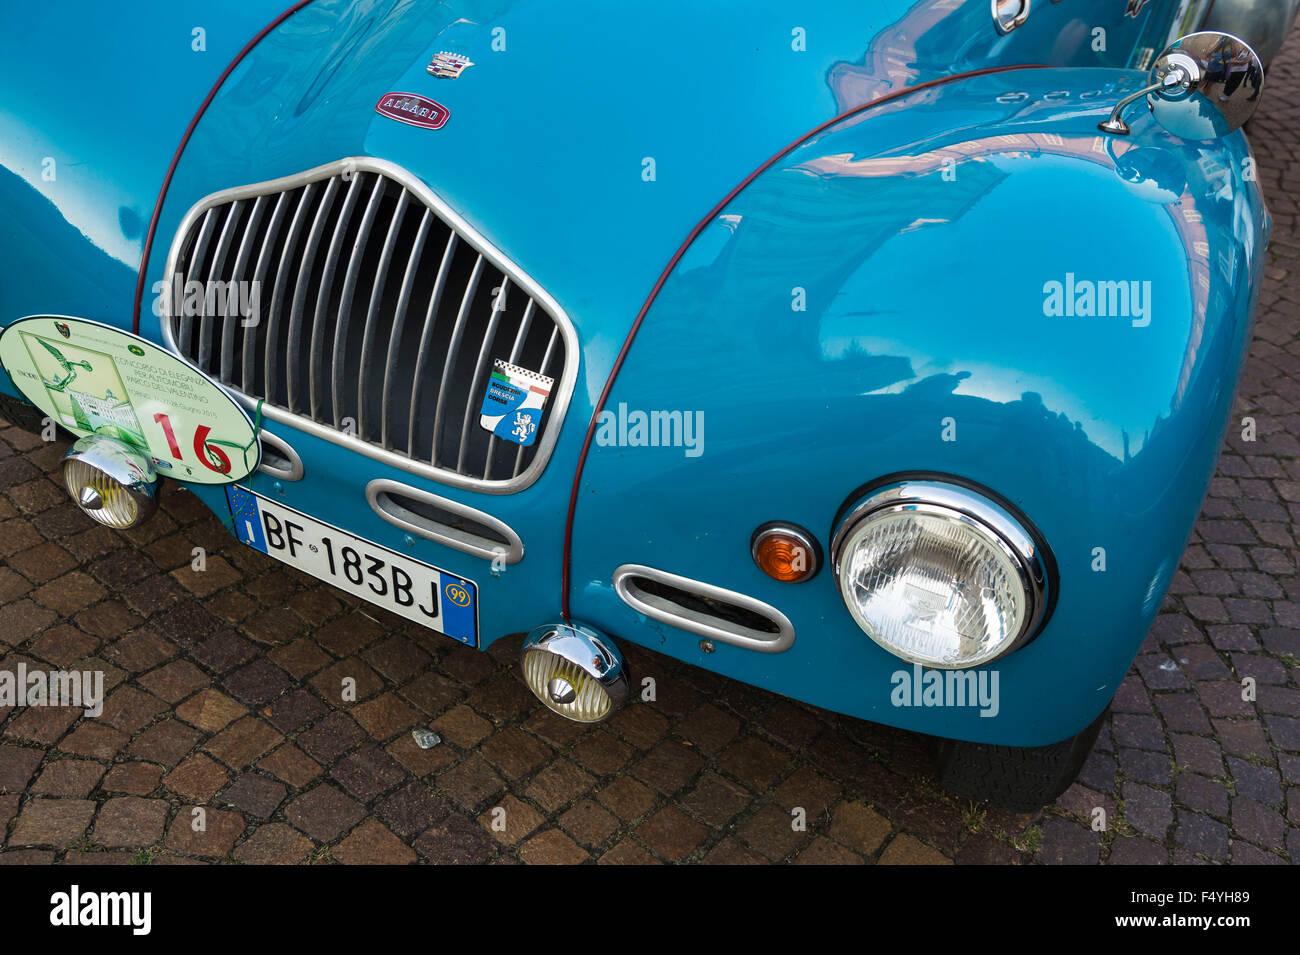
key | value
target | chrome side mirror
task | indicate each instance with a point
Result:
(1203, 87)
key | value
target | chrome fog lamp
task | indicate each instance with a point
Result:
(575, 670)
(939, 575)
(111, 481)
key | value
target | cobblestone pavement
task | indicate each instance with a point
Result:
(224, 695)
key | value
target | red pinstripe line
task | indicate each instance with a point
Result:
(171, 170)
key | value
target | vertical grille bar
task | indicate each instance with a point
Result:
(521, 336)
(248, 371)
(233, 294)
(194, 266)
(376, 294)
(426, 337)
(339, 358)
(395, 337)
(546, 365)
(314, 371)
(218, 260)
(457, 334)
(481, 367)
(292, 353)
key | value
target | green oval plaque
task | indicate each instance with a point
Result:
(96, 379)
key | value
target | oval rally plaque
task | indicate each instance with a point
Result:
(95, 379)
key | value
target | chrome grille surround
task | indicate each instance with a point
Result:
(307, 239)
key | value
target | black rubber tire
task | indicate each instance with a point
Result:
(1019, 778)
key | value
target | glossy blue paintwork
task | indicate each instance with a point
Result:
(544, 152)
(925, 302)
(106, 96)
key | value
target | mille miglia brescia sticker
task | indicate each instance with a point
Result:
(514, 401)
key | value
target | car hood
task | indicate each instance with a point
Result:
(584, 143)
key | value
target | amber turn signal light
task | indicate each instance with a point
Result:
(786, 552)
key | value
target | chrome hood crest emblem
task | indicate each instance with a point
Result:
(448, 65)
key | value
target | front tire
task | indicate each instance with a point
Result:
(1019, 778)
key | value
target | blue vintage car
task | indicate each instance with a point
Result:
(875, 352)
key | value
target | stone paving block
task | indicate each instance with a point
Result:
(274, 844)
(17, 764)
(130, 821)
(198, 778)
(202, 831)
(69, 777)
(552, 848)
(456, 840)
(373, 844)
(324, 813)
(905, 850)
(47, 821)
(255, 795)
(136, 779)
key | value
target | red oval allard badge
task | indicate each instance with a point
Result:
(414, 109)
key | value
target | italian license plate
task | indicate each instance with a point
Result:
(429, 596)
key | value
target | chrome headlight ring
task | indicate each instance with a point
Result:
(1009, 548)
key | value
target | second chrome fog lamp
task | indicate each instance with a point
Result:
(939, 575)
(575, 670)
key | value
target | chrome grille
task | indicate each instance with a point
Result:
(379, 314)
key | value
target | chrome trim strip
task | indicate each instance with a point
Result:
(546, 364)
(376, 295)
(294, 348)
(425, 527)
(241, 263)
(282, 448)
(200, 249)
(323, 297)
(704, 625)
(399, 324)
(426, 335)
(566, 379)
(338, 363)
(453, 351)
(521, 335)
(281, 274)
(480, 369)
(259, 273)
(218, 259)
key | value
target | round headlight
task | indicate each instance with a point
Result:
(938, 575)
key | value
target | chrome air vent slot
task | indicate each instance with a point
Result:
(446, 521)
(692, 605)
(356, 306)
(699, 605)
(279, 459)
